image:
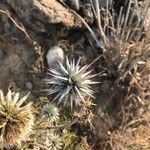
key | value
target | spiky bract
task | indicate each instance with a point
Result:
(71, 82)
(53, 141)
(50, 112)
(16, 119)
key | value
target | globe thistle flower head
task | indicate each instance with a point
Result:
(50, 112)
(71, 82)
(16, 119)
(53, 141)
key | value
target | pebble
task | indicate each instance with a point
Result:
(74, 4)
(54, 55)
(29, 85)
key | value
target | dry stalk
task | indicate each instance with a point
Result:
(87, 26)
(20, 27)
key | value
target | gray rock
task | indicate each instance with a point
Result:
(54, 55)
(29, 85)
(40, 15)
(74, 4)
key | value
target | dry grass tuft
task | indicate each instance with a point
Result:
(126, 59)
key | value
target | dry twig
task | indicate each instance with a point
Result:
(20, 27)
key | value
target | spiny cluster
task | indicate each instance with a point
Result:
(50, 116)
(53, 141)
(16, 119)
(71, 82)
(50, 112)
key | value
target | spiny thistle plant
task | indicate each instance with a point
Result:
(16, 119)
(50, 112)
(53, 141)
(71, 82)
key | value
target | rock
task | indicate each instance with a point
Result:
(54, 54)
(74, 4)
(40, 15)
(29, 85)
